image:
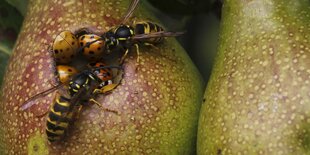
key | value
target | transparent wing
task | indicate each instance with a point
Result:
(157, 34)
(130, 10)
(30, 102)
(72, 104)
(76, 97)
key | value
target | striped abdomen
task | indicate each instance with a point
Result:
(147, 28)
(58, 119)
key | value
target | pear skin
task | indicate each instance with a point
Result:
(158, 100)
(257, 100)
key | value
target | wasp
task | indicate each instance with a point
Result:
(124, 36)
(81, 88)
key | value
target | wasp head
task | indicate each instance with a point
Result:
(111, 41)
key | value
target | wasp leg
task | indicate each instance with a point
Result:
(105, 89)
(100, 105)
(153, 46)
(78, 112)
(127, 51)
(138, 52)
(124, 56)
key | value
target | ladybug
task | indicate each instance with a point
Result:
(65, 47)
(65, 72)
(105, 74)
(93, 49)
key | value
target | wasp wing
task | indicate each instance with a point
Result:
(76, 97)
(73, 102)
(30, 102)
(130, 10)
(157, 35)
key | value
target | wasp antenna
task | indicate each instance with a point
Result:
(132, 7)
(27, 104)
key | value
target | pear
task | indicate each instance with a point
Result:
(257, 100)
(158, 100)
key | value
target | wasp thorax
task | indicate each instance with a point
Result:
(123, 32)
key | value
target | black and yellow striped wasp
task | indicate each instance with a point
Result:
(125, 36)
(81, 88)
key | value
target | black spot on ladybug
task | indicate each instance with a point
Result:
(56, 51)
(91, 52)
(82, 38)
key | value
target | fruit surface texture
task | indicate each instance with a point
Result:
(258, 100)
(157, 101)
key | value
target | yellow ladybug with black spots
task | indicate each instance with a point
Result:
(65, 47)
(65, 72)
(92, 46)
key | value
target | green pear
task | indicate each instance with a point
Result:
(158, 100)
(258, 98)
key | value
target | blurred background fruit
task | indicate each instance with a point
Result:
(257, 100)
(10, 23)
